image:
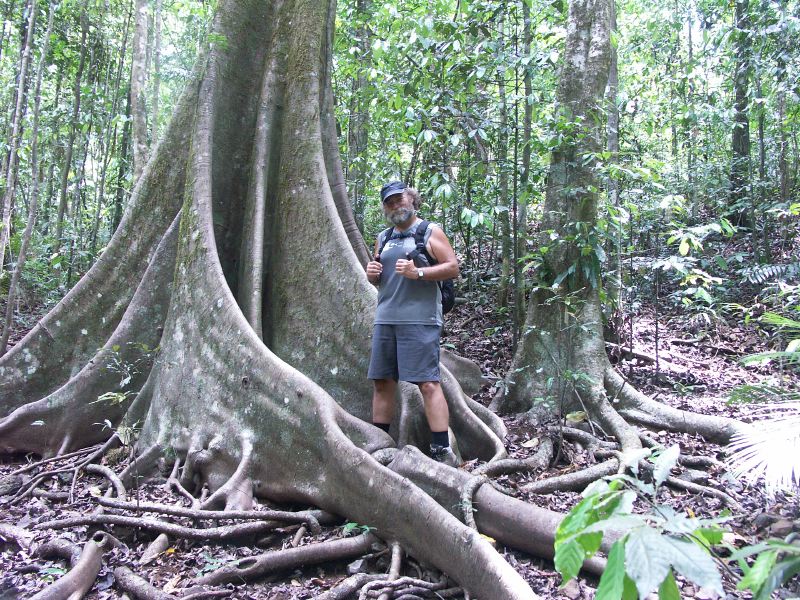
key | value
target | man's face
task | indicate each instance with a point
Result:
(398, 209)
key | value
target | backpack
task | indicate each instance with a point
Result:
(446, 286)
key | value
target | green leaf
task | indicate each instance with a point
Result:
(612, 581)
(629, 589)
(664, 463)
(695, 564)
(647, 559)
(683, 249)
(668, 590)
(758, 573)
(568, 560)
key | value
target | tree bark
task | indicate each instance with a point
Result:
(740, 165)
(138, 88)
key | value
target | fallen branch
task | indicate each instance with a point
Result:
(46, 461)
(311, 518)
(21, 537)
(255, 567)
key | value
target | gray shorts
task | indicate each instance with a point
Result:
(405, 353)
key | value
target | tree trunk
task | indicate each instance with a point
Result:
(561, 364)
(138, 88)
(76, 108)
(16, 131)
(740, 165)
(34, 199)
(239, 196)
(358, 131)
(156, 71)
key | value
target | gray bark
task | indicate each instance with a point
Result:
(138, 81)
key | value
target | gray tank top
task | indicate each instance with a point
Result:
(403, 301)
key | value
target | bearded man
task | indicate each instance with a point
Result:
(408, 321)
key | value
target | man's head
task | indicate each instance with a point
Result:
(400, 202)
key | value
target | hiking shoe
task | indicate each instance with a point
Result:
(444, 455)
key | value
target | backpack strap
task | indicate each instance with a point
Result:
(419, 240)
(387, 233)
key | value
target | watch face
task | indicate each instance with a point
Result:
(419, 273)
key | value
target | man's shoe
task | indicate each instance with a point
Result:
(445, 455)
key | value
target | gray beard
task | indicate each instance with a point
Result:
(400, 216)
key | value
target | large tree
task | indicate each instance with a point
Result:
(561, 364)
(227, 322)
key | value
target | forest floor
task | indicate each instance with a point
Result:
(694, 370)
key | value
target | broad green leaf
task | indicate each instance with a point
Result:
(695, 564)
(647, 559)
(590, 542)
(621, 523)
(568, 560)
(613, 578)
(668, 590)
(629, 589)
(683, 249)
(664, 463)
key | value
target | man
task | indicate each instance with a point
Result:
(408, 321)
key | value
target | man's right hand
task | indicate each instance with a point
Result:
(374, 270)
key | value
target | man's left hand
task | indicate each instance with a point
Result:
(406, 268)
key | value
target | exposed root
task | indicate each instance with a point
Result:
(404, 587)
(60, 548)
(137, 587)
(47, 461)
(298, 536)
(347, 588)
(638, 407)
(21, 537)
(141, 466)
(256, 567)
(154, 549)
(81, 577)
(237, 492)
(538, 461)
(174, 483)
(466, 499)
(394, 567)
(575, 481)
(311, 518)
(218, 534)
(119, 488)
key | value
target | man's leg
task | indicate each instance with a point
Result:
(383, 403)
(435, 406)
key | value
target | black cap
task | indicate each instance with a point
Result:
(392, 188)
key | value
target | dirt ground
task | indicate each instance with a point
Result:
(692, 371)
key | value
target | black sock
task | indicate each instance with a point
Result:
(440, 438)
(384, 426)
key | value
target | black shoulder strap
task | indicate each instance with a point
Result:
(388, 233)
(419, 239)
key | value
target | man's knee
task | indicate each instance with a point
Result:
(428, 388)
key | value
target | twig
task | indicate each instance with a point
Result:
(45, 461)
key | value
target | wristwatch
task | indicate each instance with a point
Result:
(420, 273)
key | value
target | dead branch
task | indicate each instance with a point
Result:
(574, 481)
(217, 534)
(311, 518)
(56, 496)
(81, 577)
(256, 567)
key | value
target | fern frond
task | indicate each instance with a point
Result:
(762, 274)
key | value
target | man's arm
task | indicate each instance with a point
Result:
(442, 252)
(374, 267)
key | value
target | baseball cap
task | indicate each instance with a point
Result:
(392, 188)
